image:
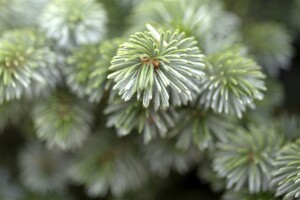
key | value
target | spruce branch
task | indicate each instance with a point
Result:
(205, 20)
(43, 170)
(245, 195)
(271, 46)
(200, 127)
(25, 61)
(62, 120)
(87, 69)
(246, 157)
(132, 116)
(231, 83)
(163, 157)
(19, 13)
(107, 163)
(157, 67)
(74, 22)
(286, 173)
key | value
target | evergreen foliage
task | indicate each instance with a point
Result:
(271, 46)
(43, 170)
(87, 69)
(246, 161)
(197, 126)
(232, 83)
(156, 66)
(62, 120)
(74, 22)
(213, 27)
(170, 158)
(244, 195)
(25, 60)
(286, 176)
(266, 108)
(129, 116)
(149, 99)
(19, 13)
(103, 167)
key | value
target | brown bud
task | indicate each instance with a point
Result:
(145, 59)
(156, 64)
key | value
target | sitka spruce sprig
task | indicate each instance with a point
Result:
(68, 120)
(200, 127)
(244, 195)
(231, 83)
(206, 20)
(286, 174)
(245, 159)
(132, 116)
(271, 46)
(104, 167)
(74, 22)
(158, 68)
(44, 170)
(25, 60)
(87, 69)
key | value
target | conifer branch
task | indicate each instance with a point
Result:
(62, 121)
(156, 70)
(74, 22)
(25, 61)
(286, 171)
(231, 83)
(87, 69)
(246, 158)
(104, 167)
(131, 116)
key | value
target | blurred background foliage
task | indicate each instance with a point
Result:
(179, 167)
